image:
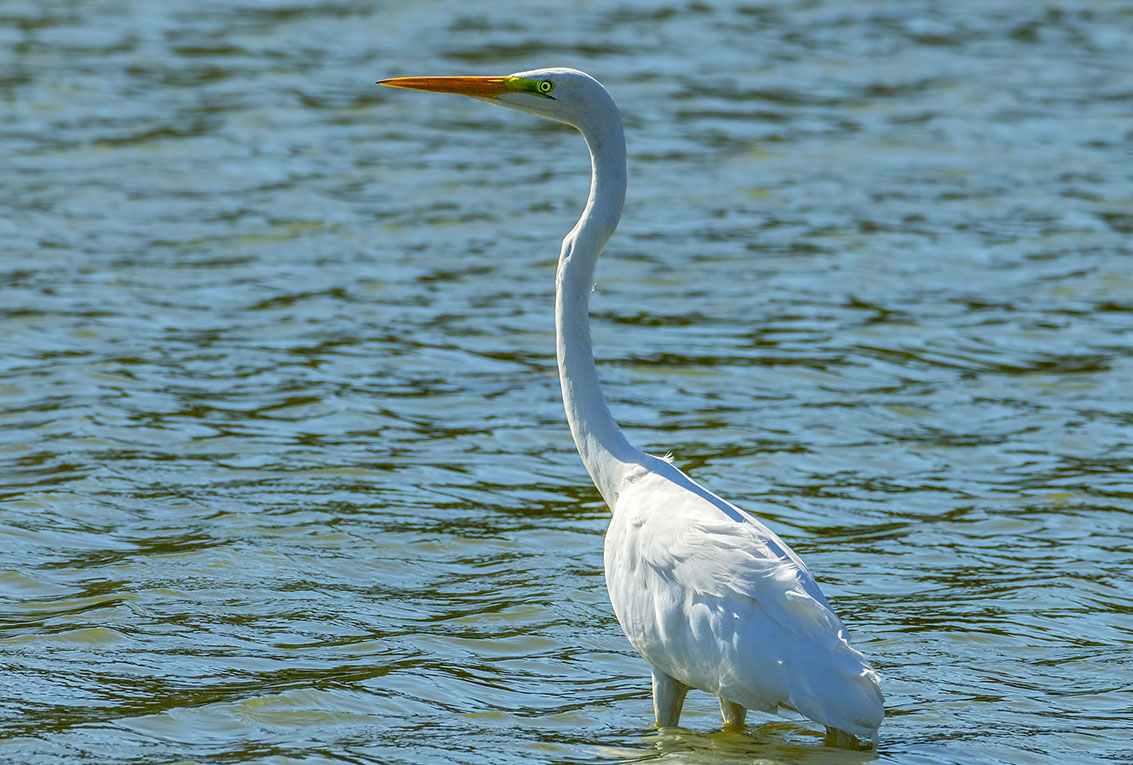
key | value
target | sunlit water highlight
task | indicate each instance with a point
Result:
(283, 468)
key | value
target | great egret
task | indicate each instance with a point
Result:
(709, 596)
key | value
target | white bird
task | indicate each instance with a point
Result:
(709, 596)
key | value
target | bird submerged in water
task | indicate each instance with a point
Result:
(709, 596)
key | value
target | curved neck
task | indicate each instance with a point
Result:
(604, 450)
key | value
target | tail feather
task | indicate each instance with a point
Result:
(847, 696)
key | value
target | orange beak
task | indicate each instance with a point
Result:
(478, 87)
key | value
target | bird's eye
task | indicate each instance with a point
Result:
(545, 86)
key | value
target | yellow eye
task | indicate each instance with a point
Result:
(545, 86)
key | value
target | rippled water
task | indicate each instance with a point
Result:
(284, 471)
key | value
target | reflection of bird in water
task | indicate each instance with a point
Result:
(708, 595)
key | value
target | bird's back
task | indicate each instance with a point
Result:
(713, 598)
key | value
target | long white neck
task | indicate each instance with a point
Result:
(604, 450)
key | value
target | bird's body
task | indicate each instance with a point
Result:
(714, 600)
(709, 596)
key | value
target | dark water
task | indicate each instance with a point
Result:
(283, 468)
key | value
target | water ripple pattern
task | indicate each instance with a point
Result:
(284, 475)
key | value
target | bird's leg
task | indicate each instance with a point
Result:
(668, 698)
(840, 739)
(733, 714)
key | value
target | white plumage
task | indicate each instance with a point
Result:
(713, 599)
(710, 597)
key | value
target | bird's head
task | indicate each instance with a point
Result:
(566, 95)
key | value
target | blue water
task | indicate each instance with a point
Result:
(284, 475)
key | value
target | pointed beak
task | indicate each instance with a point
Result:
(477, 87)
